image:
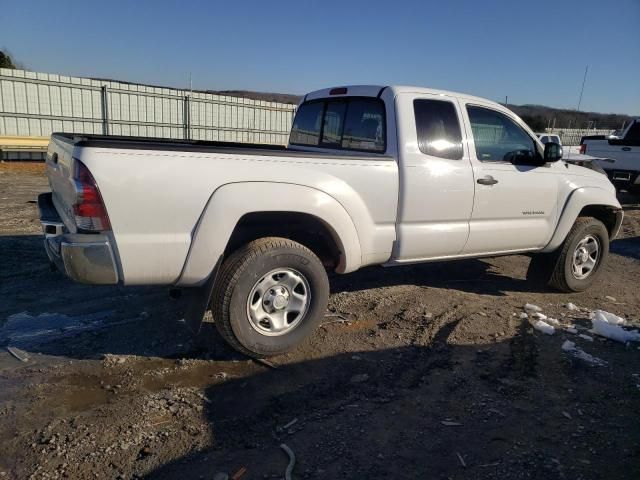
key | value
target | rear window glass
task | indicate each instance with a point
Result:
(438, 129)
(306, 127)
(364, 126)
(333, 123)
(352, 123)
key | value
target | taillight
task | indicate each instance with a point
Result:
(88, 209)
(583, 148)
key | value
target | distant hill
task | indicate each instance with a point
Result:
(264, 96)
(538, 117)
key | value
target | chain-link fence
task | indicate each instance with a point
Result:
(572, 136)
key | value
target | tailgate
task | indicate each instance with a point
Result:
(60, 168)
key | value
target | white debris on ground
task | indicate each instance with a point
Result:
(572, 330)
(609, 325)
(608, 317)
(586, 337)
(542, 322)
(544, 327)
(570, 348)
(530, 307)
(571, 306)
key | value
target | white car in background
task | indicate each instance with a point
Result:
(624, 154)
(572, 154)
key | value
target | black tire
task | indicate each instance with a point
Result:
(563, 277)
(238, 276)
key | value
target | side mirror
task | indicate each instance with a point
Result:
(552, 152)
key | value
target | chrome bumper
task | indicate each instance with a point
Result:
(85, 258)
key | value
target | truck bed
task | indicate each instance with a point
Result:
(157, 193)
(202, 146)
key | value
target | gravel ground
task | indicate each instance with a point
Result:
(422, 371)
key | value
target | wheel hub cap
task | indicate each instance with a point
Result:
(585, 257)
(278, 302)
(276, 299)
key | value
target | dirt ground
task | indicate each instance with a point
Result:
(424, 371)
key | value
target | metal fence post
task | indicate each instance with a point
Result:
(186, 113)
(105, 110)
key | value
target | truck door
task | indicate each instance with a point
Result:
(515, 205)
(436, 180)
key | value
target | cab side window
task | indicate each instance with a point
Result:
(498, 138)
(438, 128)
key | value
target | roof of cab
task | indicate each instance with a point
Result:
(376, 90)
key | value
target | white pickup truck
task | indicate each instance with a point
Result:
(623, 152)
(372, 176)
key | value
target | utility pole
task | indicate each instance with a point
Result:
(582, 89)
(584, 80)
(506, 101)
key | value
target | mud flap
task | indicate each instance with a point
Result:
(542, 266)
(198, 299)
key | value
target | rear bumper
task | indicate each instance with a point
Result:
(85, 258)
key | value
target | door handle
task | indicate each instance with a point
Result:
(626, 149)
(487, 180)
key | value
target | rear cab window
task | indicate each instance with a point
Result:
(307, 124)
(346, 123)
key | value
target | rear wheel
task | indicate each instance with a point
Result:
(270, 296)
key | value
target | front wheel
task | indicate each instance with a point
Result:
(270, 296)
(581, 256)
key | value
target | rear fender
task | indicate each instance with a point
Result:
(230, 202)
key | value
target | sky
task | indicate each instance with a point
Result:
(534, 52)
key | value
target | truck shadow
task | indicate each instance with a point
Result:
(627, 247)
(471, 276)
(405, 412)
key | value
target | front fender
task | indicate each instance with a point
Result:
(579, 199)
(233, 200)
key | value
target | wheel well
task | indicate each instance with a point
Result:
(604, 213)
(303, 228)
